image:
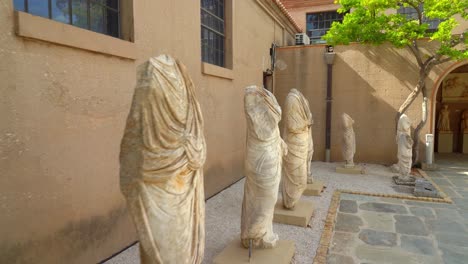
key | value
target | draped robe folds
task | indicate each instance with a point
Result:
(349, 140)
(264, 152)
(405, 146)
(161, 164)
(298, 121)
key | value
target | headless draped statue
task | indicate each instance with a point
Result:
(264, 153)
(464, 123)
(444, 119)
(297, 135)
(349, 141)
(405, 149)
(161, 164)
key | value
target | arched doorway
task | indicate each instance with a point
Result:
(449, 105)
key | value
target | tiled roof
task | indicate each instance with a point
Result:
(291, 4)
(286, 13)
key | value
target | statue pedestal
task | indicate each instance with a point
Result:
(313, 189)
(445, 144)
(350, 170)
(234, 253)
(299, 216)
(465, 142)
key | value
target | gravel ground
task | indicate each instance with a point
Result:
(223, 212)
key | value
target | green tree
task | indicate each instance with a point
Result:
(373, 22)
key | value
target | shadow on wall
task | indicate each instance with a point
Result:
(68, 244)
(369, 84)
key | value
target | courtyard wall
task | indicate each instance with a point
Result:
(66, 93)
(369, 83)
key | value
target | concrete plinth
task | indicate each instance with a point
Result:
(445, 144)
(313, 189)
(234, 253)
(352, 170)
(299, 216)
(465, 142)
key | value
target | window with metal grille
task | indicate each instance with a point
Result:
(411, 14)
(212, 32)
(319, 23)
(101, 16)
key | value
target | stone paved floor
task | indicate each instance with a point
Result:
(386, 230)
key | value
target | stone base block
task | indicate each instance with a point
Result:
(234, 253)
(465, 143)
(353, 170)
(299, 216)
(429, 167)
(445, 144)
(313, 189)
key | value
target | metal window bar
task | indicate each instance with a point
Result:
(213, 41)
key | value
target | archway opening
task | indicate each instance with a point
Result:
(450, 111)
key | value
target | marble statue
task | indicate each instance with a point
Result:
(310, 153)
(349, 141)
(264, 153)
(444, 119)
(464, 124)
(161, 164)
(405, 149)
(296, 164)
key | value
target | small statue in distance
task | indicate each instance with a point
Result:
(443, 123)
(349, 141)
(464, 123)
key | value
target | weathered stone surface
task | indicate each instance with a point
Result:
(262, 167)
(418, 245)
(348, 206)
(410, 225)
(348, 145)
(424, 188)
(161, 164)
(384, 207)
(454, 254)
(405, 143)
(450, 214)
(348, 223)
(343, 243)
(378, 238)
(387, 255)
(428, 204)
(422, 212)
(391, 200)
(297, 135)
(339, 259)
(445, 226)
(379, 221)
(461, 203)
(442, 182)
(460, 240)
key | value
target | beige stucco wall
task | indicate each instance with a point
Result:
(63, 111)
(369, 83)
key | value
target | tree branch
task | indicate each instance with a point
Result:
(415, 50)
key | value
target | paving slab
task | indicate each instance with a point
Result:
(384, 208)
(348, 206)
(418, 245)
(422, 212)
(410, 225)
(348, 223)
(378, 238)
(378, 221)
